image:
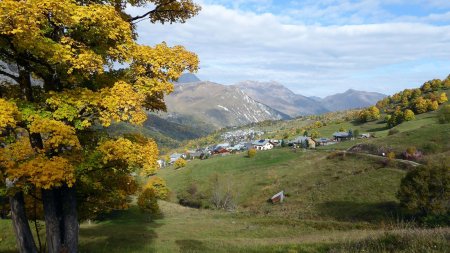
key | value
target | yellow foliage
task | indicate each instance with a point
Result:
(133, 154)
(9, 114)
(442, 98)
(432, 105)
(72, 47)
(44, 172)
(251, 153)
(25, 22)
(122, 103)
(180, 163)
(16, 152)
(55, 134)
(159, 186)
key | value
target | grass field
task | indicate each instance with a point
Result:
(333, 204)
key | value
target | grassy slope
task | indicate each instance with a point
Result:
(331, 201)
(314, 183)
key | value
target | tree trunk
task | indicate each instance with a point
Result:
(25, 84)
(70, 216)
(24, 238)
(52, 214)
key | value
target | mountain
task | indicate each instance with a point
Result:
(188, 78)
(351, 99)
(166, 133)
(216, 105)
(281, 98)
(318, 99)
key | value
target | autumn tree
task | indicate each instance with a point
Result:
(315, 134)
(159, 186)
(442, 98)
(408, 115)
(65, 90)
(180, 163)
(432, 105)
(420, 105)
(370, 114)
(396, 118)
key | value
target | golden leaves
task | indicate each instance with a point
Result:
(119, 103)
(122, 103)
(159, 186)
(17, 152)
(154, 68)
(9, 114)
(63, 33)
(135, 155)
(55, 134)
(44, 172)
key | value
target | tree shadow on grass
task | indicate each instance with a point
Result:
(377, 129)
(354, 211)
(191, 246)
(121, 231)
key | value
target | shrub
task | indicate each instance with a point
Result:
(180, 163)
(192, 197)
(369, 114)
(147, 202)
(408, 115)
(251, 153)
(390, 156)
(412, 153)
(222, 195)
(444, 114)
(411, 150)
(158, 185)
(393, 131)
(425, 191)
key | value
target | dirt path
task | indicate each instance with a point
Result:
(407, 162)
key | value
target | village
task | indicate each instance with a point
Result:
(243, 140)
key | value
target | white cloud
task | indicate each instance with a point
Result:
(236, 45)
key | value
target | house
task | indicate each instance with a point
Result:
(322, 141)
(194, 154)
(304, 142)
(262, 145)
(364, 136)
(238, 147)
(222, 151)
(222, 146)
(276, 143)
(342, 136)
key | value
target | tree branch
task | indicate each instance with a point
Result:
(157, 9)
(15, 78)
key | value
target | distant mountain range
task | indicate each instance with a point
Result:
(216, 105)
(284, 100)
(351, 99)
(281, 98)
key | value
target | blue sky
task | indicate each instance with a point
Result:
(316, 47)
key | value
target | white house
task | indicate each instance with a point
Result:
(262, 145)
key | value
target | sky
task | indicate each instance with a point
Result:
(315, 47)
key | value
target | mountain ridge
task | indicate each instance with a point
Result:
(217, 105)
